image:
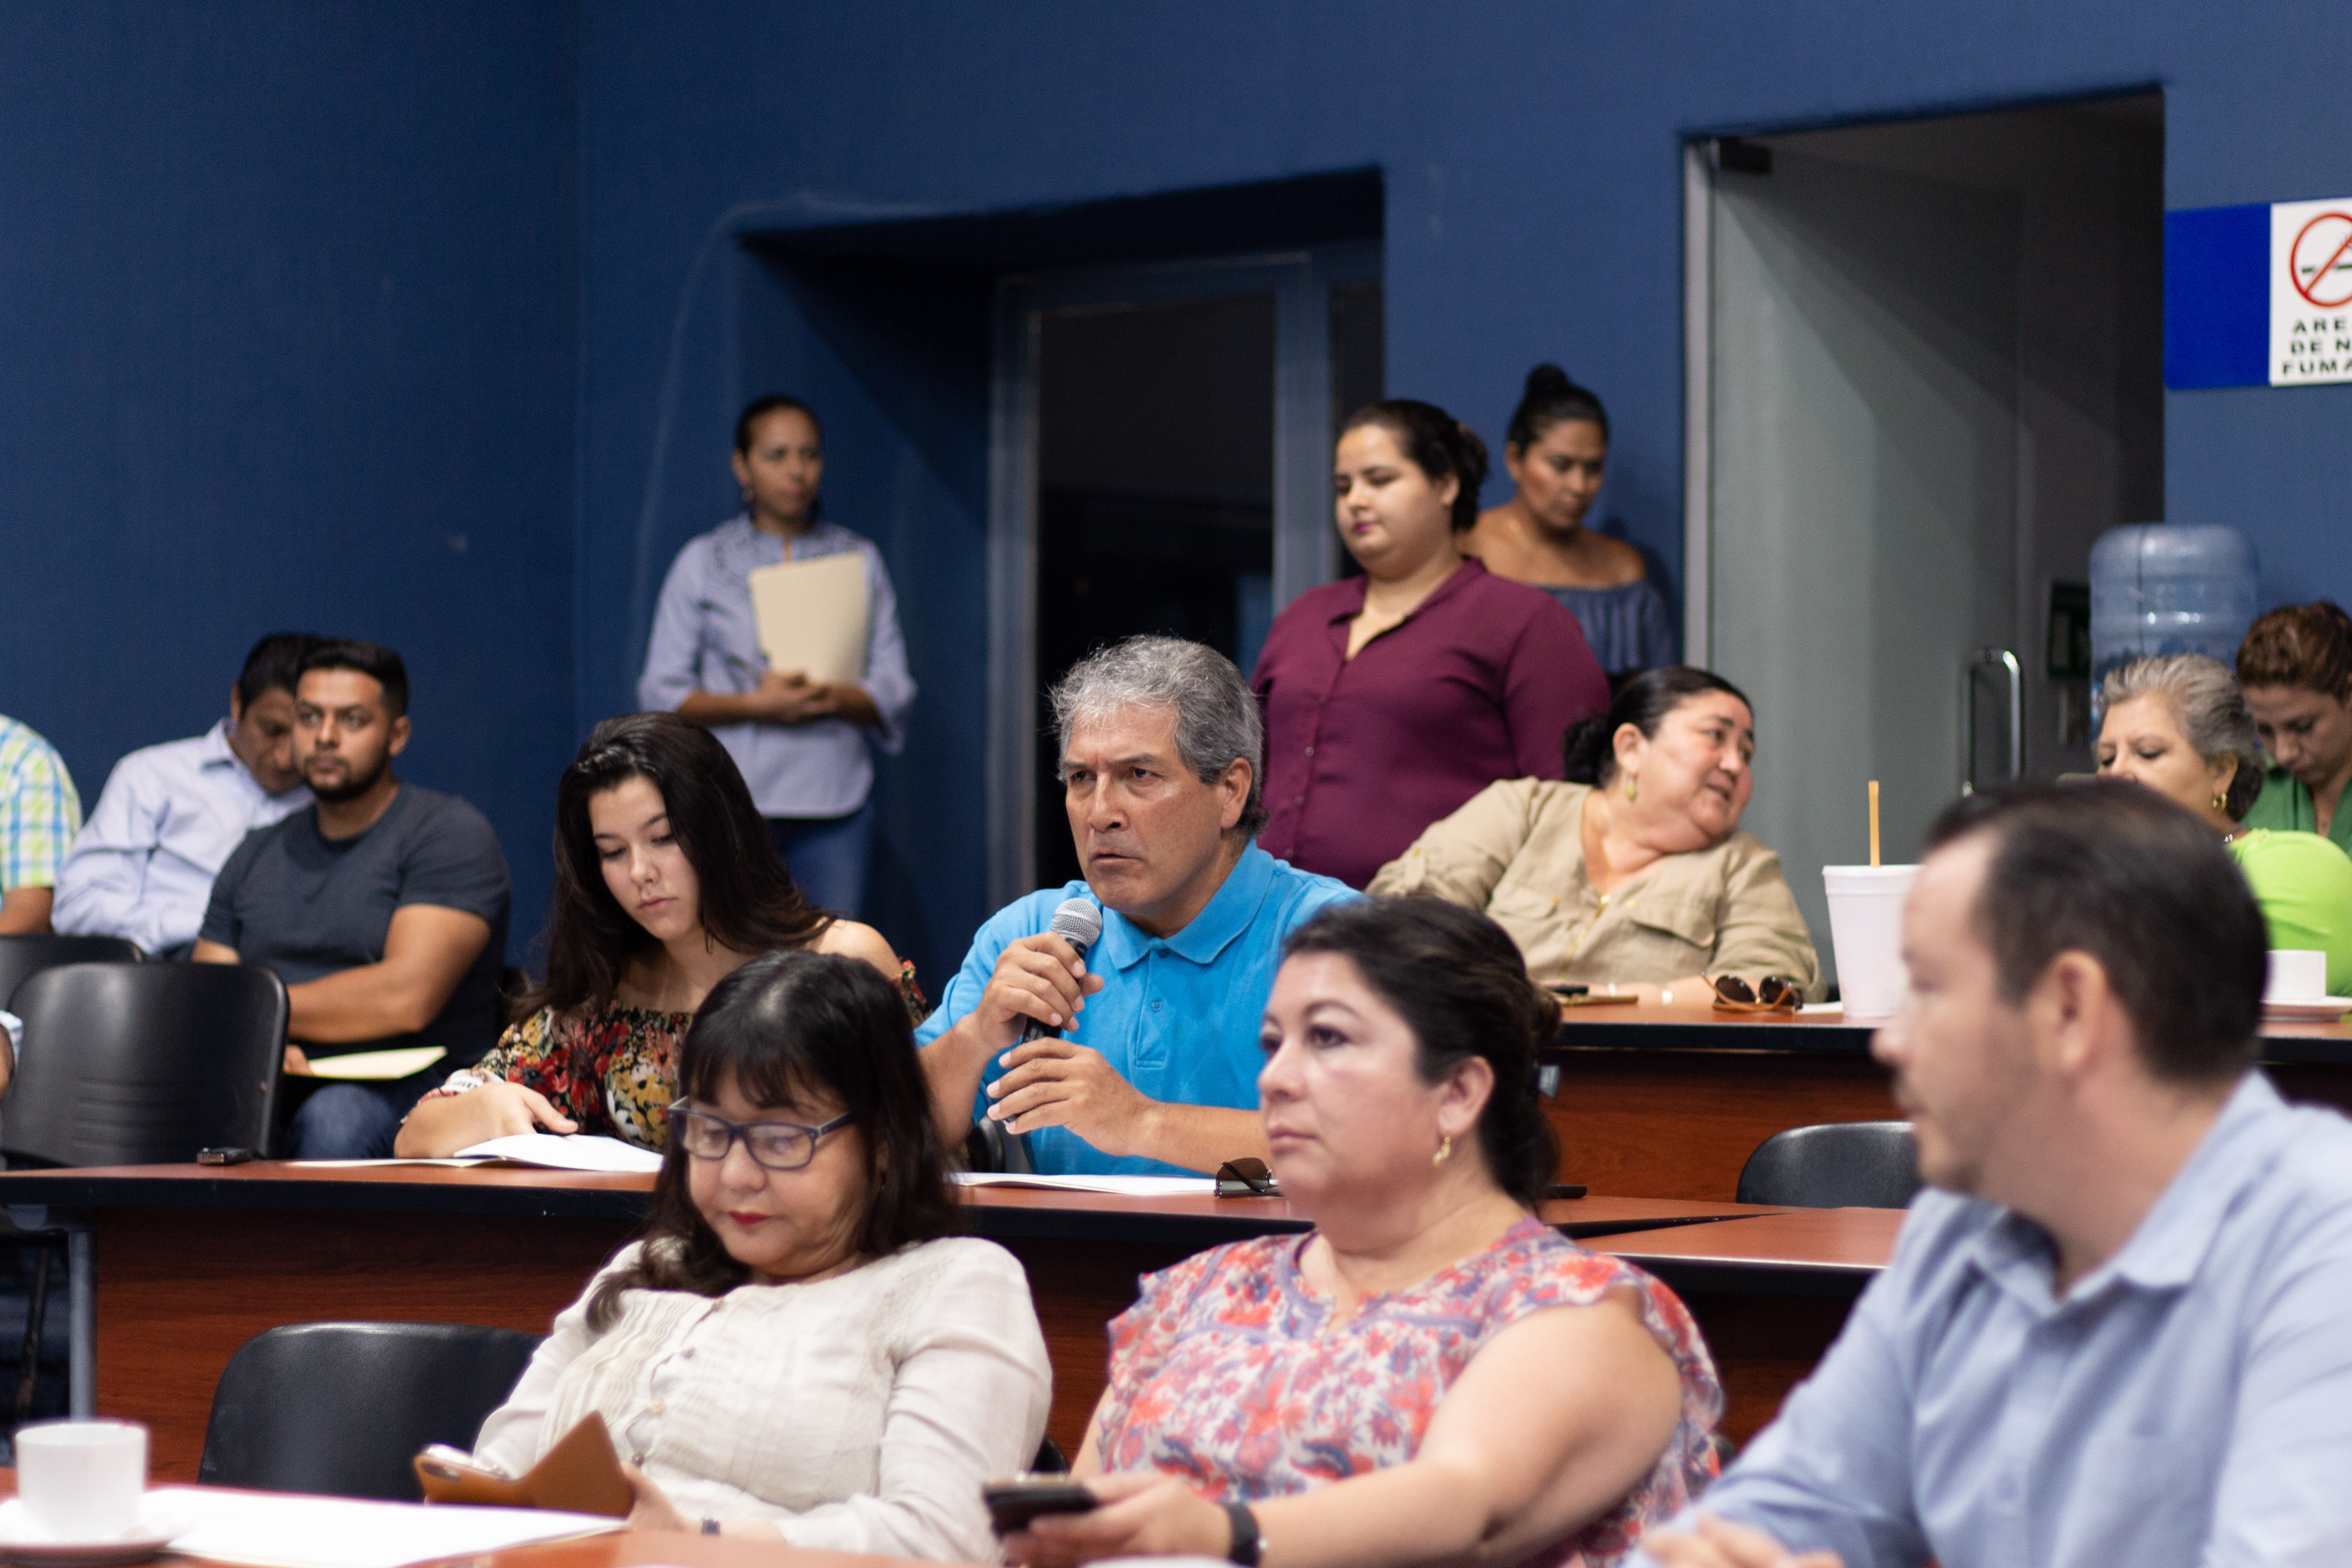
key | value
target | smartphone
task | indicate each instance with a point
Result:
(451, 1464)
(1014, 1500)
(223, 1156)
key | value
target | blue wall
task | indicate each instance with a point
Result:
(292, 296)
(1531, 158)
(288, 311)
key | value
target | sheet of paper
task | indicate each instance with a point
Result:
(1126, 1185)
(378, 1066)
(283, 1530)
(573, 1152)
(356, 1164)
(811, 615)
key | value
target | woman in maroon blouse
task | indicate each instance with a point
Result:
(1393, 697)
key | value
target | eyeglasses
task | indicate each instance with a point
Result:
(778, 1146)
(1771, 991)
(1247, 1178)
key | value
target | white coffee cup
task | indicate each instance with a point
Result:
(81, 1480)
(2295, 975)
(1866, 935)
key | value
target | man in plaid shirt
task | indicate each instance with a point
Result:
(39, 814)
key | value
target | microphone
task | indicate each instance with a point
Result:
(1077, 922)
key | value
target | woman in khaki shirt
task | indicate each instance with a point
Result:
(1634, 877)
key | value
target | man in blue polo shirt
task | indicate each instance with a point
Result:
(1156, 1069)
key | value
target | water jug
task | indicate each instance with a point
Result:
(2168, 587)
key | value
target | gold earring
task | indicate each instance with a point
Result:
(2221, 802)
(1632, 786)
(1444, 1148)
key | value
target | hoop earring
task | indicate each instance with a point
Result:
(1633, 787)
(2221, 802)
(1445, 1149)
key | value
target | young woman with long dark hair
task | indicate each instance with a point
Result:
(801, 1347)
(664, 883)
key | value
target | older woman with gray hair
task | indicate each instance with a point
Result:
(1134, 1051)
(2179, 723)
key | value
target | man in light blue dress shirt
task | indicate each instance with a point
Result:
(2121, 1333)
(1156, 1069)
(142, 866)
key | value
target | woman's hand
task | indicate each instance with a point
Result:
(1141, 1516)
(440, 1126)
(1717, 1544)
(652, 1510)
(789, 696)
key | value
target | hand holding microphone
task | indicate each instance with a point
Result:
(1041, 983)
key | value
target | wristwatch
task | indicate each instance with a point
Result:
(1247, 1544)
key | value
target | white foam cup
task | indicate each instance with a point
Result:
(81, 1480)
(2295, 975)
(1866, 935)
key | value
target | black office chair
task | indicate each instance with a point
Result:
(341, 1408)
(134, 1064)
(128, 1065)
(1836, 1165)
(24, 955)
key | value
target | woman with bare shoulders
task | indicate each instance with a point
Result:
(664, 883)
(1557, 454)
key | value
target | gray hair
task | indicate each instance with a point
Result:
(1217, 719)
(2210, 707)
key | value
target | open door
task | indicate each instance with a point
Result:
(1924, 366)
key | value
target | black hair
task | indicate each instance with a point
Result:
(788, 1027)
(749, 902)
(274, 665)
(1458, 982)
(1589, 748)
(1550, 399)
(1434, 442)
(759, 408)
(2115, 871)
(367, 659)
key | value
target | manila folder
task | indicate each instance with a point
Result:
(812, 616)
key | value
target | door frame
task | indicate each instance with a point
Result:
(1301, 281)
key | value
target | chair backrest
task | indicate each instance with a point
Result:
(341, 1408)
(23, 956)
(1835, 1165)
(130, 1065)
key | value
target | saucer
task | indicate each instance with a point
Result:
(25, 1542)
(2318, 1009)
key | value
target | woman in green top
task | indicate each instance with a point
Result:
(2177, 724)
(2295, 666)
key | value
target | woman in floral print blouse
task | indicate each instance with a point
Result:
(1432, 1375)
(665, 885)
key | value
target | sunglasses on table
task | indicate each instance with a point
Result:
(1773, 991)
(778, 1146)
(1250, 1178)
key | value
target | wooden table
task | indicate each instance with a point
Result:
(191, 1262)
(1654, 1101)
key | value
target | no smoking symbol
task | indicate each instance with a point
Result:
(2320, 264)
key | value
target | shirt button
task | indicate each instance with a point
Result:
(1298, 799)
(638, 1460)
(690, 1352)
(1156, 1006)
(656, 1407)
(1310, 751)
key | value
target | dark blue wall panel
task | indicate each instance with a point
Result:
(2217, 302)
(288, 309)
(1534, 211)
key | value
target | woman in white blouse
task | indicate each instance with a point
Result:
(803, 1348)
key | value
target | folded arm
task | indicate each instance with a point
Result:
(1554, 1421)
(426, 951)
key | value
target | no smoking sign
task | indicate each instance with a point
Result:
(2311, 292)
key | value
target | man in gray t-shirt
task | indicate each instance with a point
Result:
(382, 907)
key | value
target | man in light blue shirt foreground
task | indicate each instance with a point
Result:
(142, 866)
(2122, 1332)
(1156, 1069)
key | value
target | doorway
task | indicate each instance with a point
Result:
(1925, 372)
(1161, 462)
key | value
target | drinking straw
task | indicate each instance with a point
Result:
(1873, 821)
